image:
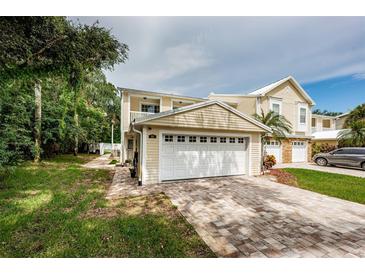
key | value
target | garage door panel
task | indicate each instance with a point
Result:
(299, 151)
(182, 160)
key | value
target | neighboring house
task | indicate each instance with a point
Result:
(326, 128)
(285, 97)
(180, 137)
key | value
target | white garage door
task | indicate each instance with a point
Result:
(196, 156)
(273, 148)
(299, 151)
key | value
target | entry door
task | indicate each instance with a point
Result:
(299, 151)
(196, 156)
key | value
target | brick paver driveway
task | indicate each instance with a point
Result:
(254, 217)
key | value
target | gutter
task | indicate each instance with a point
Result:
(140, 154)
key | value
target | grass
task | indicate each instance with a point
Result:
(113, 162)
(58, 209)
(345, 187)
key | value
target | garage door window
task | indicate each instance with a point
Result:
(240, 140)
(192, 139)
(297, 143)
(223, 139)
(213, 139)
(232, 140)
(180, 139)
(203, 139)
(169, 138)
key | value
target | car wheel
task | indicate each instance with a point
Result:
(321, 161)
(363, 166)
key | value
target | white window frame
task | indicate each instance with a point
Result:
(276, 101)
(302, 126)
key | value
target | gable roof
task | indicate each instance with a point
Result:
(264, 90)
(200, 105)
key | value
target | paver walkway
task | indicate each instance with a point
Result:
(330, 169)
(101, 162)
(253, 217)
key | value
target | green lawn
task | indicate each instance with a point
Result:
(341, 186)
(58, 209)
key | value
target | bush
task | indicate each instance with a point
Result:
(322, 148)
(269, 161)
(284, 177)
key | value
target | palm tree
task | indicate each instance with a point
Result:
(279, 125)
(354, 136)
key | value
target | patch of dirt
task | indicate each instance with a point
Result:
(133, 206)
(283, 177)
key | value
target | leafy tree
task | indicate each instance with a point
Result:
(326, 112)
(357, 114)
(354, 136)
(32, 48)
(91, 48)
(39, 59)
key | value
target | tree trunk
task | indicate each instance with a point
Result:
(76, 121)
(38, 121)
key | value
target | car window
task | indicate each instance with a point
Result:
(340, 151)
(358, 151)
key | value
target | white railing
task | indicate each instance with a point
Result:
(138, 114)
(107, 147)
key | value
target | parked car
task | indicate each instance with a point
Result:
(346, 156)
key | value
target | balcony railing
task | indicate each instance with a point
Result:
(135, 115)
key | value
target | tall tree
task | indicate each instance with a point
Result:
(31, 48)
(92, 48)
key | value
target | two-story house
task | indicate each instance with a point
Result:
(285, 97)
(179, 137)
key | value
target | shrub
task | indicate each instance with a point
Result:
(269, 161)
(284, 177)
(322, 148)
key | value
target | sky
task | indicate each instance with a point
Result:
(198, 55)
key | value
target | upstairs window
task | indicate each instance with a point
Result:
(276, 108)
(150, 108)
(275, 105)
(326, 123)
(303, 115)
(313, 122)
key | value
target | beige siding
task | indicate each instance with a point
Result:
(247, 105)
(152, 158)
(255, 154)
(166, 104)
(212, 117)
(290, 98)
(340, 122)
(152, 167)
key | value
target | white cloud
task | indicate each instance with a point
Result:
(197, 55)
(359, 76)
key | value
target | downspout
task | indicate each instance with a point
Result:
(121, 154)
(140, 154)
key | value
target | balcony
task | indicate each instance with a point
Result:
(135, 115)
